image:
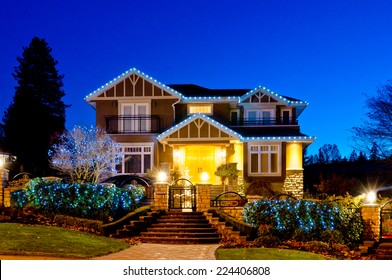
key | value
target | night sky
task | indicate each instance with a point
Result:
(329, 53)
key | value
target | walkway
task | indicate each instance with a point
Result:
(149, 251)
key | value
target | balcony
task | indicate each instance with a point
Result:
(264, 122)
(133, 124)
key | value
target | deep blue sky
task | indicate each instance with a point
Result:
(329, 53)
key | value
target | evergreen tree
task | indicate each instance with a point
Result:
(36, 116)
(353, 156)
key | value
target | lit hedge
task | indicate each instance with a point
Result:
(305, 219)
(92, 201)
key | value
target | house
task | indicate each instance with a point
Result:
(194, 130)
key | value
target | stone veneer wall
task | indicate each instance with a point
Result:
(294, 183)
(203, 197)
(235, 212)
(161, 196)
(371, 222)
(3, 180)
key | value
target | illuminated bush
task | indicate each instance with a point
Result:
(305, 220)
(93, 201)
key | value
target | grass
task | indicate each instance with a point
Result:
(265, 254)
(37, 240)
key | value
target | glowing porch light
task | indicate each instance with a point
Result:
(162, 177)
(204, 177)
(371, 197)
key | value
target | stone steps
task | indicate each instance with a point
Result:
(181, 228)
(384, 251)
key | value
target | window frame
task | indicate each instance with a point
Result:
(142, 153)
(259, 152)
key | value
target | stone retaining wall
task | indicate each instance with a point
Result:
(294, 183)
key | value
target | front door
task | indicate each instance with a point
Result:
(199, 159)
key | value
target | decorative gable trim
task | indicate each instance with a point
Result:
(125, 85)
(198, 127)
(261, 95)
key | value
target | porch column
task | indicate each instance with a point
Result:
(161, 196)
(294, 181)
(370, 214)
(3, 180)
(203, 197)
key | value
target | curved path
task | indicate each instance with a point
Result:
(146, 251)
(149, 251)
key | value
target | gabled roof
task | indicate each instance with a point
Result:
(126, 74)
(245, 135)
(192, 118)
(289, 101)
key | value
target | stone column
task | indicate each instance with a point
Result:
(370, 214)
(161, 196)
(294, 183)
(3, 180)
(203, 197)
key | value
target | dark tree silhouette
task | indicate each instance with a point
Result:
(329, 153)
(374, 136)
(36, 116)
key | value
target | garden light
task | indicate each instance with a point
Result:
(371, 197)
(162, 177)
(204, 177)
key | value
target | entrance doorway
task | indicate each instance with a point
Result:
(193, 161)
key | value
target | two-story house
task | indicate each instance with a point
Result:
(196, 129)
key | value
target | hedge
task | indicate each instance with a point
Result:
(92, 201)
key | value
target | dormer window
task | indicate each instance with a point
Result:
(200, 108)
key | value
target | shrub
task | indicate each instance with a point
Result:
(80, 224)
(93, 201)
(267, 241)
(305, 220)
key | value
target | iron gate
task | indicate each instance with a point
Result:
(182, 195)
(386, 221)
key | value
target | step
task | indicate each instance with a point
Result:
(189, 229)
(182, 225)
(181, 220)
(189, 240)
(180, 234)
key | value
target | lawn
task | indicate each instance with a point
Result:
(265, 254)
(37, 240)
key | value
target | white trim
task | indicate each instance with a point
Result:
(124, 76)
(142, 153)
(268, 152)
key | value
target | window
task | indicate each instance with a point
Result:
(260, 117)
(135, 117)
(200, 108)
(264, 159)
(136, 159)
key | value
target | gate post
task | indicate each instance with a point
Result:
(203, 197)
(370, 214)
(161, 196)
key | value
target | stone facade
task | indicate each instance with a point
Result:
(203, 197)
(3, 181)
(294, 183)
(161, 196)
(371, 222)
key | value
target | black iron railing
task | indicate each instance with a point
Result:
(133, 124)
(263, 121)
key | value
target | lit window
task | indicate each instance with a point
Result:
(203, 109)
(264, 160)
(136, 160)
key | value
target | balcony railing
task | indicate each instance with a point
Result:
(133, 124)
(263, 121)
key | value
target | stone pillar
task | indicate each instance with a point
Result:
(203, 197)
(161, 196)
(294, 183)
(370, 214)
(3, 181)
